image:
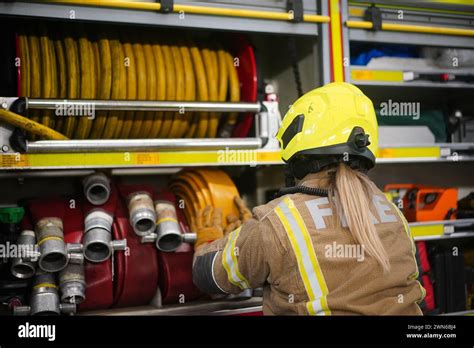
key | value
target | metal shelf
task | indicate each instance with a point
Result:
(437, 230)
(440, 152)
(154, 18)
(222, 307)
(415, 16)
(422, 84)
(449, 236)
(468, 312)
(364, 35)
(165, 159)
(222, 155)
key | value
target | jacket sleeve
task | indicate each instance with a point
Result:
(233, 263)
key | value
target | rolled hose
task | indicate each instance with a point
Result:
(30, 126)
(199, 188)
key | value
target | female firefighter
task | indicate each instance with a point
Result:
(331, 243)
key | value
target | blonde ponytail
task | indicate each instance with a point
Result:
(352, 191)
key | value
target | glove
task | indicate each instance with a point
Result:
(234, 222)
(245, 213)
(209, 226)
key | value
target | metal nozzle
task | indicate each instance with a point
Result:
(44, 297)
(53, 253)
(98, 234)
(72, 284)
(96, 188)
(142, 213)
(23, 266)
(98, 243)
(168, 232)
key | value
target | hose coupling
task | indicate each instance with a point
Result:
(24, 265)
(98, 243)
(96, 188)
(44, 298)
(142, 213)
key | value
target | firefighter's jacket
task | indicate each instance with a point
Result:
(308, 263)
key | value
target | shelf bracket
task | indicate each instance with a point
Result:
(296, 8)
(166, 6)
(374, 15)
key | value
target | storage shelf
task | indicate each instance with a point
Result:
(226, 157)
(153, 18)
(440, 152)
(138, 159)
(416, 15)
(446, 229)
(221, 307)
(369, 76)
(393, 37)
(468, 312)
(422, 84)
(449, 236)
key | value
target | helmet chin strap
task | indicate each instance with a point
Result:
(302, 167)
(313, 191)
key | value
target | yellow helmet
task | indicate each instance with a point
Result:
(336, 119)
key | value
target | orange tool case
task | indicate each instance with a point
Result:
(426, 203)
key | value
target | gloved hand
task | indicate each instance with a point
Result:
(209, 226)
(233, 221)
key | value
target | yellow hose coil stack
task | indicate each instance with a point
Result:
(80, 63)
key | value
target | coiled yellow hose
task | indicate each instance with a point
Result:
(161, 88)
(142, 88)
(61, 78)
(77, 65)
(105, 85)
(170, 89)
(147, 124)
(73, 86)
(190, 88)
(179, 120)
(131, 88)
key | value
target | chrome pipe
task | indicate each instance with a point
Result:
(131, 145)
(140, 105)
